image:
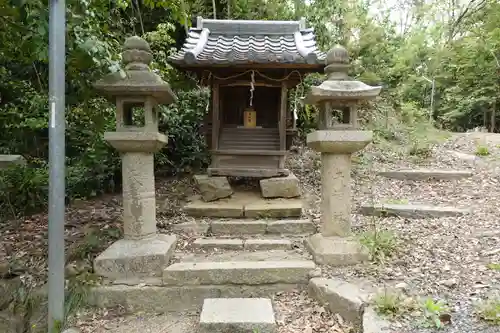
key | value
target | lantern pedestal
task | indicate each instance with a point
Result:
(142, 253)
(333, 245)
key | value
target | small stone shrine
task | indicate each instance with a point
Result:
(250, 67)
(137, 91)
(337, 138)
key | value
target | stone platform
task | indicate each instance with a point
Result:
(249, 204)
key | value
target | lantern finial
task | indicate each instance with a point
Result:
(136, 54)
(337, 63)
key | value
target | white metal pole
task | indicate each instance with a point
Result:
(57, 61)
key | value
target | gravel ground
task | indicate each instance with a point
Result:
(442, 258)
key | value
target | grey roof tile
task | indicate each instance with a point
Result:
(232, 42)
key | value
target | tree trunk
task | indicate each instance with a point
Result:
(215, 9)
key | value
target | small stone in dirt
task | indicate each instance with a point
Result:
(315, 273)
(450, 283)
(402, 286)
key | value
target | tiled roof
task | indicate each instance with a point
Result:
(234, 42)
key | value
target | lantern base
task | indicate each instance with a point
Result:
(336, 251)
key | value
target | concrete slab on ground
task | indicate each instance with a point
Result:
(237, 315)
(425, 174)
(412, 210)
(245, 204)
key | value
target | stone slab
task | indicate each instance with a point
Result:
(219, 208)
(151, 323)
(235, 227)
(7, 160)
(336, 251)
(181, 299)
(213, 188)
(237, 315)
(280, 187)
(269, 255)
(194, 228)
(133, 259)
(218, 243)
(267, 244)
(425, 174)
(244, 204)
(372, 323)
(291, 227)
(237, 272)
(412, 211)
(340, 297)
(274, 209)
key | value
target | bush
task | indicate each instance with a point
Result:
(186, 148)
(24, 189)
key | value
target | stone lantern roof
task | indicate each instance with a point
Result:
(137, 79)
(338, 85)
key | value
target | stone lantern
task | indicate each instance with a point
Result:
(337, 138)
(137, 92)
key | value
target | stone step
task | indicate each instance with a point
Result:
(176, 299)
(260, 227)
(237, 315)
(237, 272)
(425, 174)
(412, 211)
(208, 244)
(245, 204)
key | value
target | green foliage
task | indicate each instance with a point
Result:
(23, 189)
(392, 303)
(494, 266)
(482, 150)
(380, 244)
(186, 148)
(433, 312)
(489, 310)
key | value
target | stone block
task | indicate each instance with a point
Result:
(237, 315)
(412, 211)
(425, 174)
(280, 187)
(9, 160)
(178, 299)
(238, 227)
(213, 188)
(291, 227)
(218, 244)
(194, 228)
(276, 208)
(267, 244)
(238, 272)
(340, 297)
(335, 251)
(372, 323)
(132, 259)
(214, 209)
